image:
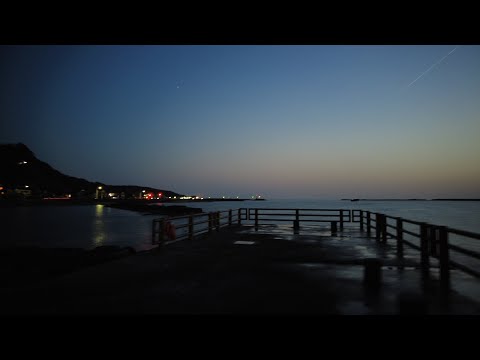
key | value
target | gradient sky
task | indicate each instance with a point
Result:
(281, 121)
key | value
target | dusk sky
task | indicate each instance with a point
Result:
(318, 121)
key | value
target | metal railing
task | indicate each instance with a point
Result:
(189, 226)
(296, 216)
(432, 241)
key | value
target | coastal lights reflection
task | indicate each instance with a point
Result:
(99, 235)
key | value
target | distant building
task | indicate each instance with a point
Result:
(25, 192)
(99, 193)
(115, 196)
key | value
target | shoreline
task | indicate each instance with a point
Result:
(171, 210)
(67, 202)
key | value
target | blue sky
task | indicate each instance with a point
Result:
(281, 121)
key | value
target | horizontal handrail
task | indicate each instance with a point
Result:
(293, 214)
(406, 242)
(289, 220)
(411, 233)
(465, 233)
(471, 253)
(346, 210)
(214, 220)
(341, 213)
(390, 234)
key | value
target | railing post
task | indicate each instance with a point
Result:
(296, 222)
(158, 230)
(218, 220)
(377, 226)
(296, 226)
(333, 225)
(256, 219)
(239, 216)
(369, 223)
(210, 219)
(424, 246)
(341, 219)
(190, 227)
(384, 228)
(433, 240)
(361, 220)
(444, 257)
(230, 217)
(400, 237)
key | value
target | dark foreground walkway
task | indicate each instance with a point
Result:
(240, 271)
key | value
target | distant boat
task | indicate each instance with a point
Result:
(257, 197)
(353, 199)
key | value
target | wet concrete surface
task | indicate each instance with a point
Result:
(243, 271)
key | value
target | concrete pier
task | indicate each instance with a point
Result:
(242, 271)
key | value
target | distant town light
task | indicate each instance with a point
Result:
(100, 188)
(26, 186)
(143, 191)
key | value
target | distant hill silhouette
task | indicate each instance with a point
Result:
(19, 167)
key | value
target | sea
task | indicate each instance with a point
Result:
(90, 226)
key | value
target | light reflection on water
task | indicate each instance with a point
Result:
(99, 235)
(85, 227)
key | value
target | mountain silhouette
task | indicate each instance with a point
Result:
(19, 167)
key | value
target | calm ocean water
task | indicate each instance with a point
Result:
(96, 225)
